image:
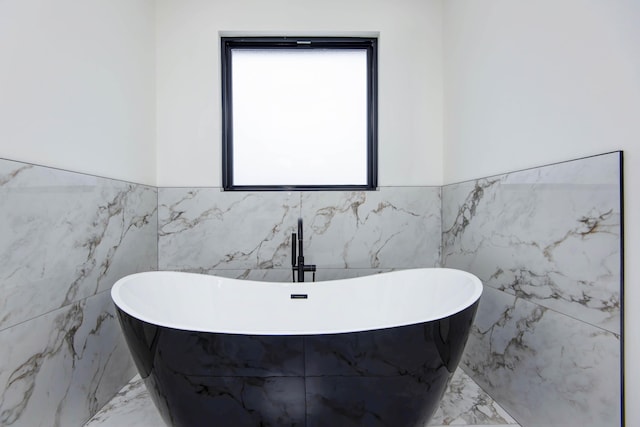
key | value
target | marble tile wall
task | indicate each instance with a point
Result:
(346, 234)
(546, 244)
(66, 238)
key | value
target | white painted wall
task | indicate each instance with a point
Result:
(77, 86)
(533, 82)
(188, 78)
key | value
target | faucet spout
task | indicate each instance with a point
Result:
(297, 262)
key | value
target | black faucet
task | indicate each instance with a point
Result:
(297, 262)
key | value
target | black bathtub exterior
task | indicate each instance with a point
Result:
(385, 377)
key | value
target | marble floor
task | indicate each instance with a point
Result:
(464, 404)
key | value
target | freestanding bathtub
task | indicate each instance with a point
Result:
(370, 351)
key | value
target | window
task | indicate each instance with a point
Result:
(299, 114)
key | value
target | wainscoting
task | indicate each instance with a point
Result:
(66, 238)
(546, 242)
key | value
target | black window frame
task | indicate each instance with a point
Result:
(370, 44)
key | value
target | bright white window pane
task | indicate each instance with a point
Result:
(299, 117)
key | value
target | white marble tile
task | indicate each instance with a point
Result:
(325, 274)
(268, 275)
(465, 403)
(546, 244)
(285, 275)
(204, 229)
(67, 236)
(545, 368)
(132, 406)
(550, 235)
(395, 227)
(60, 368)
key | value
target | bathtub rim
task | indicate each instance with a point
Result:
(301, 288)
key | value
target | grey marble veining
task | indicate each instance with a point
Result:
(132, 406)
(60, 368)
(209, 231)
(266, 275)
(66, 238)
(546, 368)
(342, 273)
(465, 403)
(550, 235)
(395, 227)
(205, 229)
(546, 244)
